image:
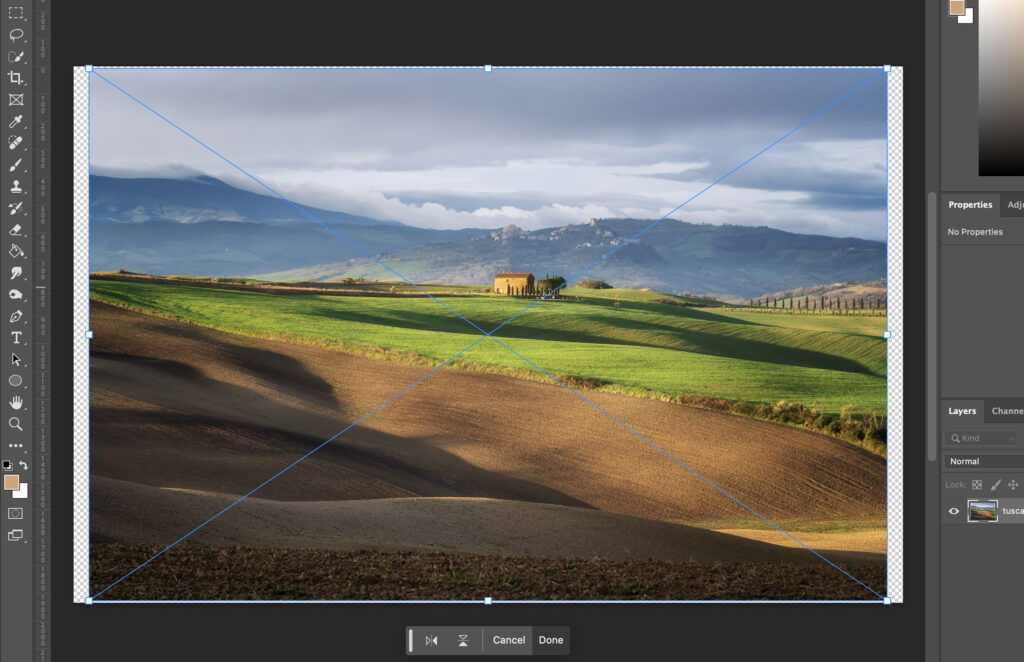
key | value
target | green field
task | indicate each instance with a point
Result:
(636, 295)
(640, 347)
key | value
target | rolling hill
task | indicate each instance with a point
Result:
(470, 472)
(642, 347)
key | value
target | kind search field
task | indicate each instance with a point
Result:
(954, 438)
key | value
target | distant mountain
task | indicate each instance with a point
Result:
(202, 226)
(198, 199)
(206, 227)
(729, 261)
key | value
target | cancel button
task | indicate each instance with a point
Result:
(508, 641)
(1004, 410)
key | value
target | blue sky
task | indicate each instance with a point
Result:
(537, 148)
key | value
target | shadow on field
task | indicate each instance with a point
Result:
(203, 434)
(702, 342)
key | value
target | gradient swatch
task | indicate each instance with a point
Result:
(1001, 88)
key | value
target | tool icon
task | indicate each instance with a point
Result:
(15, 208)
(15, 423)
(14, 141)
(15, 231)
(15, 122)
(17, 187)
(14, 294)
(995, 485)
(15, 99)
(15, 272)
(15, 77)
(16, 402)
(17, 163)
(15, 316)
(15, 360)
(14, 57)
(16, 34)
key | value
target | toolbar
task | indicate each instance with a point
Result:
(25, 322)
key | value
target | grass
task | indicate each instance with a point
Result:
(638, 295)
(344, 285)
(638, 347)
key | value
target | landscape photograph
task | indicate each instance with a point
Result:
(523, 334)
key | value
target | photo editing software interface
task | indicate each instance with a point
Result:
(710, 351)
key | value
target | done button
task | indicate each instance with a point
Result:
(553, 640)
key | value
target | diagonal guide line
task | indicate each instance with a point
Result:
(298, 207)
(292, 465)
(681, 463)
(490, 333)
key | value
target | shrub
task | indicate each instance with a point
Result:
(594, 285)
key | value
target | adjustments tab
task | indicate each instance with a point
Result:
(1011, 205)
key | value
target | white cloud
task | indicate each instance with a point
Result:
(531, 148)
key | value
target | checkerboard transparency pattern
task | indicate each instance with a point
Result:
(81, 325)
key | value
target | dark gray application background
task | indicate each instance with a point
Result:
(813, 32)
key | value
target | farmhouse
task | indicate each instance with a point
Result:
(513, 283)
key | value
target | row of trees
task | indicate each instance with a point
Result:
(822, 304)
